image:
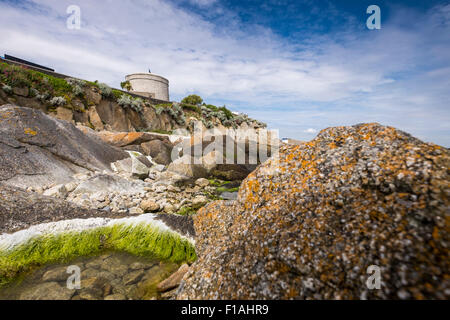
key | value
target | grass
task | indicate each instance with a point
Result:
(140, 240)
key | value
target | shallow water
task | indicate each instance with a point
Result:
(112, 276)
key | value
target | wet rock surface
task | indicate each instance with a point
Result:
(309, 225)
(111, 276)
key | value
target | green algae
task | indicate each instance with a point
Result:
(140, 240)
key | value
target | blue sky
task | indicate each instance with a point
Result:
(300, 66)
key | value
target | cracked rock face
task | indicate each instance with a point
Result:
(37, 150)
(353, 197)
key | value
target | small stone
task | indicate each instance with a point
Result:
(90, 294)
(136, 210)
(158, 167)
(89, 273)
(57, 274)
(116, 296)
(202, 182)
(137, 266)
(174, 280)
(133, 277)
(169, 295)
(47, 291)
(169, 208)
(199, 200)
(149, 206)
(71, 186)
(58, 191)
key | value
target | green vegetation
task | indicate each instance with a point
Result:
(15, 76)
(190, 210)
(160, 131)
(106, 90)
(191, 107)
(54, 92)
(186, 211)
(139, 240)
(192, 99)
(47, 89)
(127, 101)
(217, 182)
(174, 110)
(126, 85)
(224, 189)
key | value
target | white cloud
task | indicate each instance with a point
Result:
(310, 130)
(385, 76)
(202, 3)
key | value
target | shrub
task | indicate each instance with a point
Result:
(127, 101)
(106, 90)
(192, 99)
(126, 85)
(208, 124)
(77, 86)
(137, 104)
(211, 107)
(227, 112)
(191, 107)
(175, 110)
(58, 101)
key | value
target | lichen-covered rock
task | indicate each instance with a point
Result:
(37, 150)
(309, 225)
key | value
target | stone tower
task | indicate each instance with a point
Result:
(149, 85)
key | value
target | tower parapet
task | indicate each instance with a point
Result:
(149, 85)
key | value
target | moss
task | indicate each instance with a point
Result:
(139, 240)
(191, 107)
(92, 84)
(217, 182)
(187, 211)
(160, 131)
(223, 189)
(213, 196)
(162, 105)
(117, 93)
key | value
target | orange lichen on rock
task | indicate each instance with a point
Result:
(351, 198)
(30, 131)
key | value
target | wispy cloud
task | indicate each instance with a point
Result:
(398, 75)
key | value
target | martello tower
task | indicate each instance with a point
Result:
(149, 85)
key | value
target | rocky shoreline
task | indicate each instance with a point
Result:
(306, 224)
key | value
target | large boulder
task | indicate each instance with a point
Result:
(327, 218)
(123, 139)
(159, 150)
(36, 149)
(186, 167)
(106, 183)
